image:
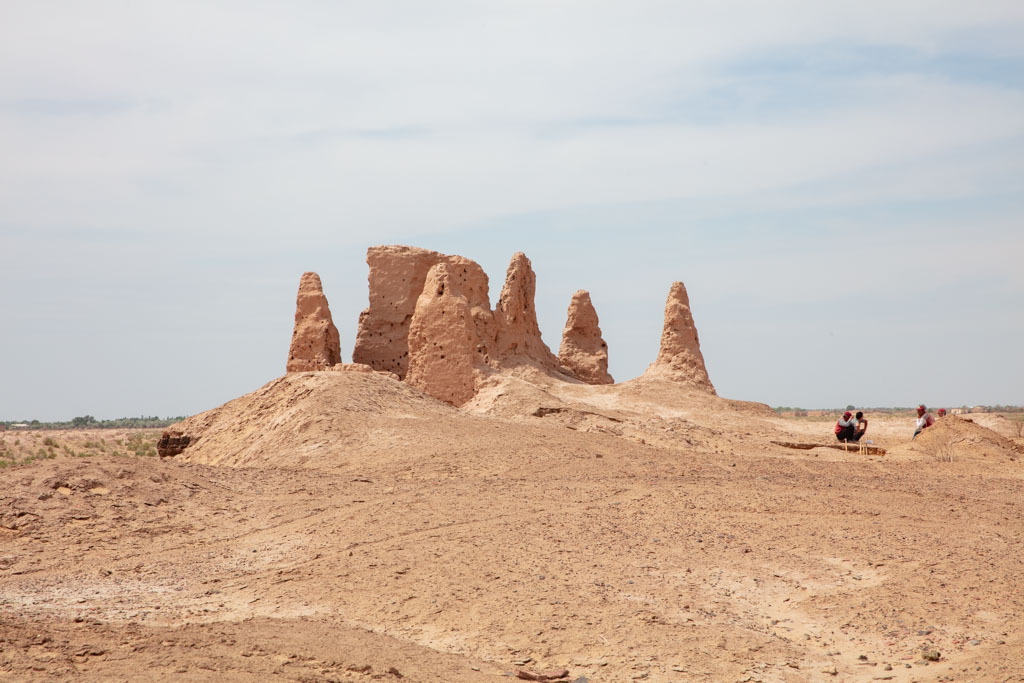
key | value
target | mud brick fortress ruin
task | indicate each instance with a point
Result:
(430, 324)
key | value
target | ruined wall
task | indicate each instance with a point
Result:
(679, 358)
(396, 280)
(430, 323)
(315, 344)
(445, 357)
(518, 339)
(583, 352)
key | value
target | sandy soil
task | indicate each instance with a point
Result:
(339, 526)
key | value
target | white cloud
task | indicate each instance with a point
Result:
(299, 126)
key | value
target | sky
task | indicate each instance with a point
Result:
(839, 185)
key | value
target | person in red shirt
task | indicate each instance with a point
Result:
(845, 427)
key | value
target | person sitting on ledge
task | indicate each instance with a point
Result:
(845, 427)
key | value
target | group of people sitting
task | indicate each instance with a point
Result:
(851, 428)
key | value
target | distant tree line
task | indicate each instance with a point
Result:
(898, 409)
(90, 422)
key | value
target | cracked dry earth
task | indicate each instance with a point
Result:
(468, 546)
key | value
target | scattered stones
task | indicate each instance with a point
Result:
(315, 344)
(584, 353)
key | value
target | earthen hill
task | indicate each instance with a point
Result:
(429, 324)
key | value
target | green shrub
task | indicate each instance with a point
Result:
(142, 444)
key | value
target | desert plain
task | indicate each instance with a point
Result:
(342, 524)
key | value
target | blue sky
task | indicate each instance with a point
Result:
(840, 187)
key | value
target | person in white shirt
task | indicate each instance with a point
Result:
(862, 426)
(924, 420)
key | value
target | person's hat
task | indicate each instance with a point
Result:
(847, 414)
(921, 408)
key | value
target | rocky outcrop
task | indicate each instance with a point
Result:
(446, 354)
(679, 358)
(173, 442)
(583, 352)
(396, 280)
(315, 344)
(517, 339)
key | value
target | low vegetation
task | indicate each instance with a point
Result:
(1017, 411)
(90, 422)
(22, 448)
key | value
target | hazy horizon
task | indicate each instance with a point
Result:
(839, 187)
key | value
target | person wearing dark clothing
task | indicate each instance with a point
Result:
(846, 426)
(862, 426)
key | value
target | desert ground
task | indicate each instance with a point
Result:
(343, 526)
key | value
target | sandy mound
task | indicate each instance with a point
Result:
(309, 418)
(648, 411)
(521, 393)
(1011, 429)
(958, 438)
